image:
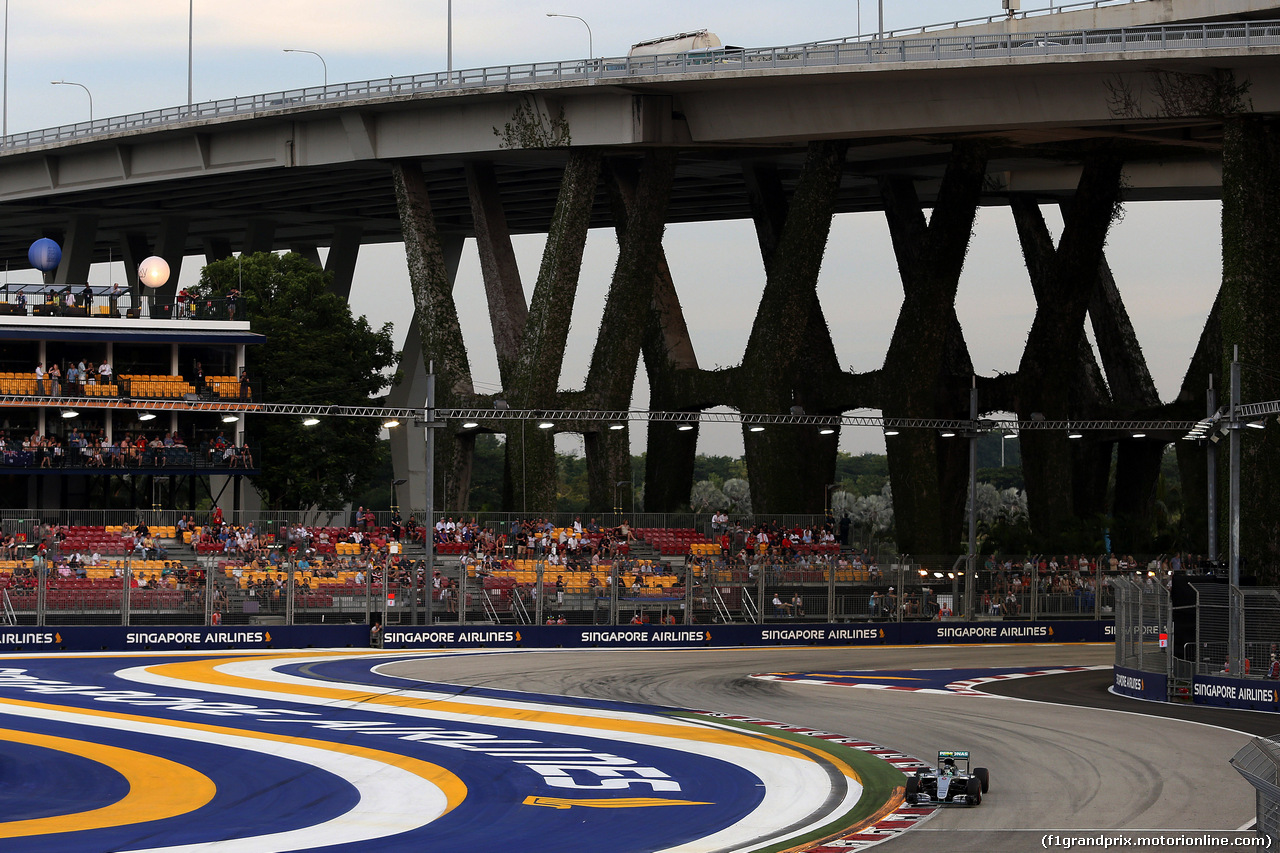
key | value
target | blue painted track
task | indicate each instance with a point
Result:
(320, 751)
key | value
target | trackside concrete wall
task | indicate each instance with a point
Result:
(195, 638)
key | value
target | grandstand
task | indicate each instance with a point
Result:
(62, 441)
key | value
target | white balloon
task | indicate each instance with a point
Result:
(154, 271)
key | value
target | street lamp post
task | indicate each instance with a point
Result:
(4, 131)
(971, 561)
(191, 22)
(323, 64)
(617, 504)
(82, 86)
(591, 50)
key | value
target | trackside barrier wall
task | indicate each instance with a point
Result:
(1227, 692)
(82, 638)
(193, 638)
(1259, 763)
(1141, 685)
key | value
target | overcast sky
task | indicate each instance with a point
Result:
(132, 56)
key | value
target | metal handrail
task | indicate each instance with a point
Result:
(518, 609)
(490, 609)
(984, 21)
(722, 608)
(733, 60)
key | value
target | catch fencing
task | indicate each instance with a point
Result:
(1259, 763)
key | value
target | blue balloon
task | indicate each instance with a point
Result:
(45, 254)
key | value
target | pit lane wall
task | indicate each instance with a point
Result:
(196, 638)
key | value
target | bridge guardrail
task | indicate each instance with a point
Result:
(809, 55)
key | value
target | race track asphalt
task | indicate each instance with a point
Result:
(1065, 756)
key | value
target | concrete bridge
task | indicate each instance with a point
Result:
(1004, 114)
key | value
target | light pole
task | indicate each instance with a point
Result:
(191, 22)
(591, 50)
(5, 120)
(617, 504)
(82, 86)
(449, 41)
(324, 64)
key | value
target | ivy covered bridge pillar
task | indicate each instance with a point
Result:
(927, 370)
(1249, 317)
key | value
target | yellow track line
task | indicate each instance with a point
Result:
(454, 789)
(158, 788)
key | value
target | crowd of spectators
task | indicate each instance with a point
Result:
(71, 377)
(92, 449)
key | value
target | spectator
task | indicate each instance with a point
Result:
(217, 446)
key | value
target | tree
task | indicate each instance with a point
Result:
(315, 352)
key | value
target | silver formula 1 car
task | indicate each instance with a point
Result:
(951, 782)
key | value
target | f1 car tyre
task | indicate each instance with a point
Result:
(973, 790)
(985, 776)
(913, 790)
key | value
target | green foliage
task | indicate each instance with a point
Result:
(1008, 477)
(571, 496)
(315, 352)
(486, 473)
(864, 475)
(995, 451)
(531, 127)
(717, 469)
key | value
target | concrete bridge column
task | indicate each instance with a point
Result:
(409, 442)
(216, 248)
(530, 479)
(1128, 391)
(1132, 388)
(77, 251)
(640, 213)
(508, 312)
(344, 250)
(171, 244)
(668, 350)
(927, 369)
(431, 281)
(134, 248)
(815, 367)
(766, 380)
(259, 236)
(1090, 457)
(308, 251)
(1250, 319)
(1047, 382)
(1192, 404)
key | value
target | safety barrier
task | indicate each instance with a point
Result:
(1259, 763)
(219, 637)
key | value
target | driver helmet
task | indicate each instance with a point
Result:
(949, 766)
